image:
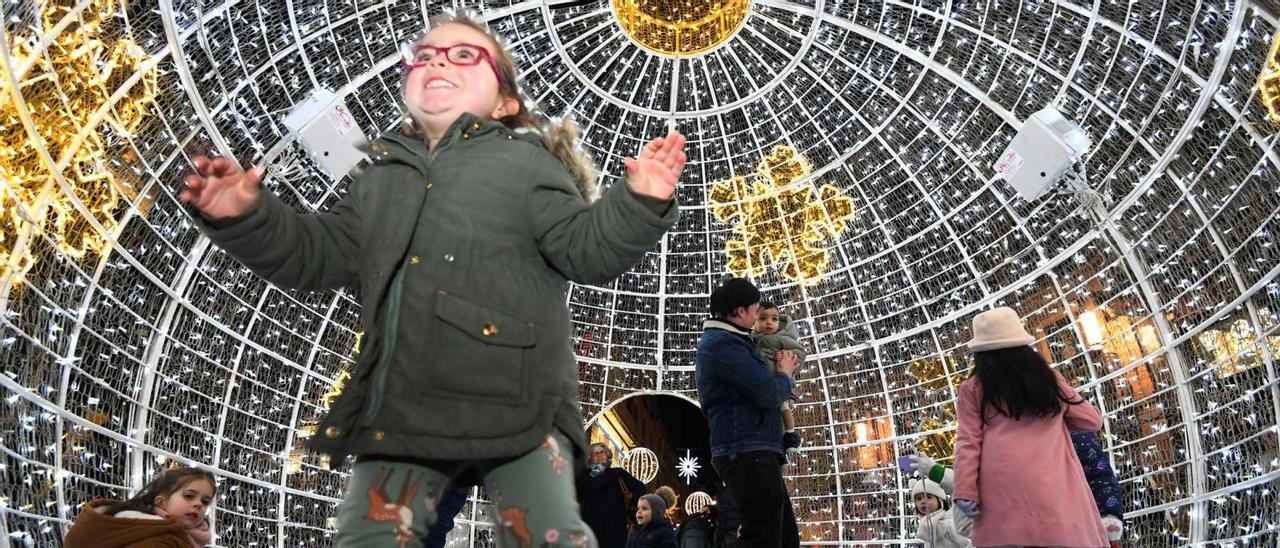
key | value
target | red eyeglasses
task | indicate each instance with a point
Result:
(463, 55)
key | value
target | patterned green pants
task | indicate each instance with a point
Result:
(392, 503)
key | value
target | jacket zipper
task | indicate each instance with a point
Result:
(387, 352)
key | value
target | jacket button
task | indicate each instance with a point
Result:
(428, 185)
(448, 258)
(475, 125)
(378, 435)
(466, 136)
(332, 431)
(489, 330)
(414, 260)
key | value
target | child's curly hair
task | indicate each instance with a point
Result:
(559, 135)
(668, 495)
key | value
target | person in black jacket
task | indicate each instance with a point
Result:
(608, 497)
(699, 531)
(652, 529)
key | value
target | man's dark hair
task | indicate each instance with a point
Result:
(733, 294)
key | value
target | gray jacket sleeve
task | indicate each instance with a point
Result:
(292, 250)
(789, 339)
(591, 243)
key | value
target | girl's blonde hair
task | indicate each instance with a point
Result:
(560, 136)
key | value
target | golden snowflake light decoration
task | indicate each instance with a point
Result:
(1269, 82)
(935, 373)
(939, 445)
(779, 219)
(78, 95)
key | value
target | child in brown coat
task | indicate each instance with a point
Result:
(169, 512)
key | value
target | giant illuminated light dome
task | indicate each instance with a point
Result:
(128, 342)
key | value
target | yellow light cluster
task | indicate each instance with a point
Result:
(307, 427)
(1269, 82)
(680, 27)
(779, 220)
(67, 92)
(1234, 347)
(935, 374)
(335, 389)
(932, 373)
(939, 445)
(1237, 348)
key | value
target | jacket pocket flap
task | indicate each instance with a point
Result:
(485, 324)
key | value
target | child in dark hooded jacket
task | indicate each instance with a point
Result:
(652, 529)
(1102, 482)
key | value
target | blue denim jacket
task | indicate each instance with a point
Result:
(739, 396)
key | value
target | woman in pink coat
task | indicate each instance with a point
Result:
(1016, 472)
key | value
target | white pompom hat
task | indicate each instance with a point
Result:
(998, 328)
(925, 485)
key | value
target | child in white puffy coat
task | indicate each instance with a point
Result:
(937, 525)
(941, 525)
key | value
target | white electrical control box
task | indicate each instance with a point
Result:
(1046, 146)
(324, 126)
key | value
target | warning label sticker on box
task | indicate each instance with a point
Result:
(1009, 163)
(342, 119)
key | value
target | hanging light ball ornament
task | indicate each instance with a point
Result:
(696, 501)
(680, 27)
(641, 463)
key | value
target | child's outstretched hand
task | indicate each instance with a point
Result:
(655, 171)
(219, 189)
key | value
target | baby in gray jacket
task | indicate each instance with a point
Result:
(773, 333)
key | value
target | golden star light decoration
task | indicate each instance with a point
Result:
(780, 218)
(79, 95)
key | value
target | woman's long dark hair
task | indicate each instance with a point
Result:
(165, 484)
(1017, 382)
